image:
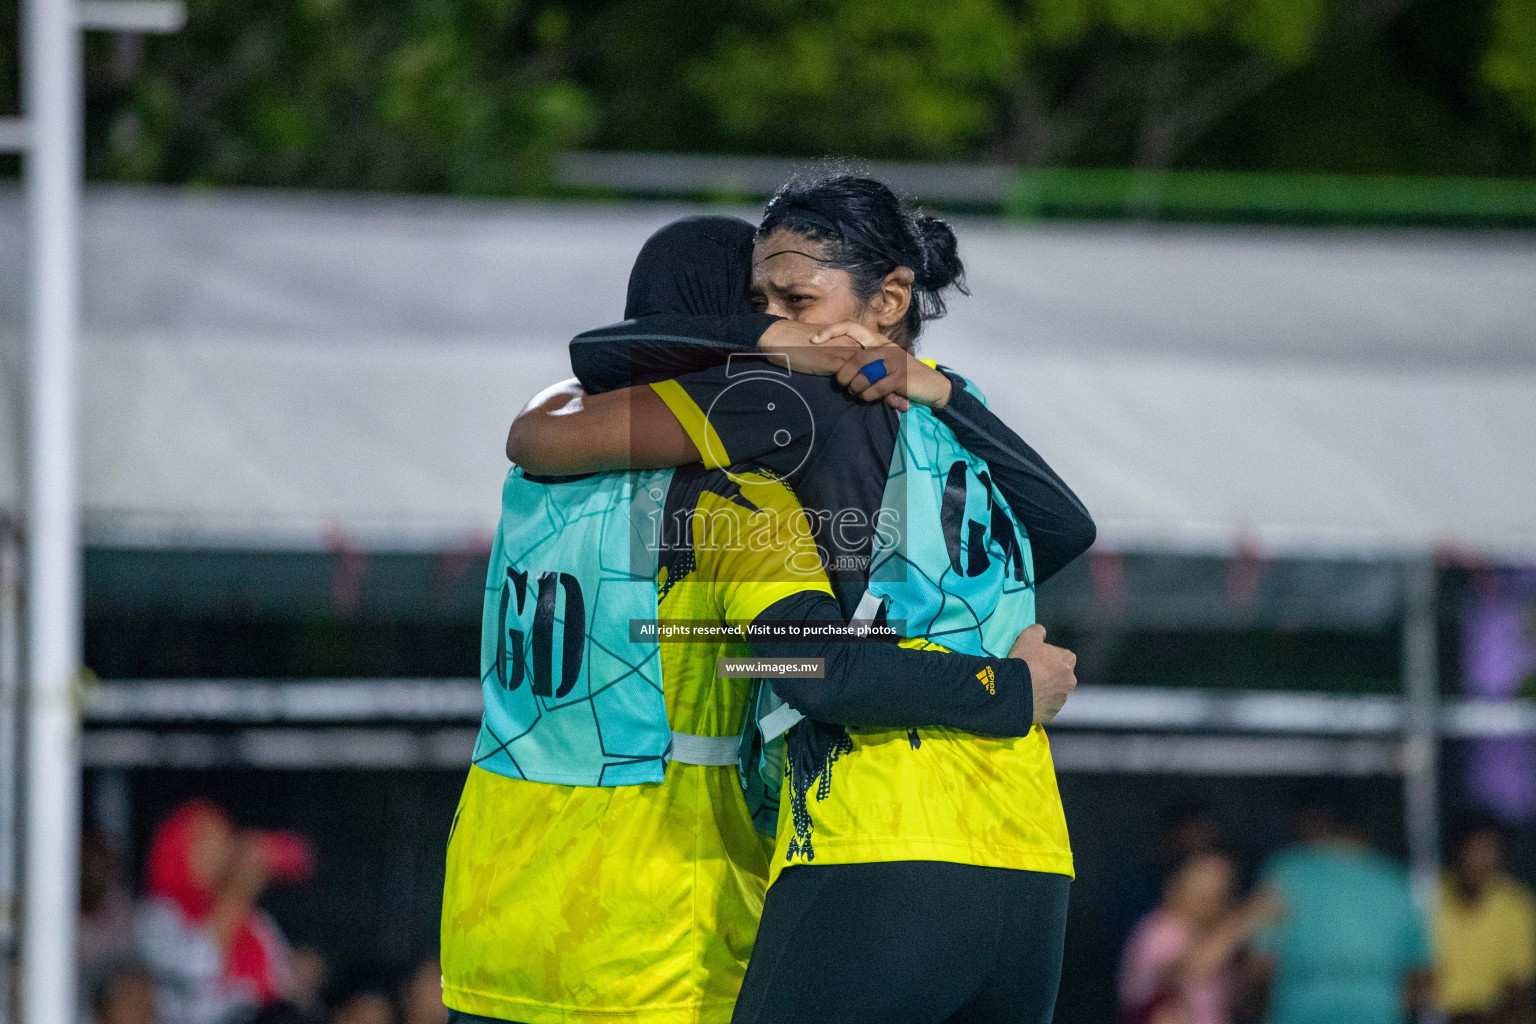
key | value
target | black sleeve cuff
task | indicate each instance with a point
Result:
(744, 332)
(881, 685)
(660, 347)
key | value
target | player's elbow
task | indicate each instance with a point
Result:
(532, 443)
(1082, 534)
(539, 439)
(519, 440)
(1067, 539)
(514, 443)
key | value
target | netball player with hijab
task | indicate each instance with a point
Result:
(922, 874)
(603, 861)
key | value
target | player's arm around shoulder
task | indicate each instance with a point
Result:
(565, 431)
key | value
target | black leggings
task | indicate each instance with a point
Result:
(907, 942)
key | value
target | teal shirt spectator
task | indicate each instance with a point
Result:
(1348, 940)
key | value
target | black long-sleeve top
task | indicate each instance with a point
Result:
(659, 347)
(880, 685)
(1060, 528)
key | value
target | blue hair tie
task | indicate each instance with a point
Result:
(875, 371)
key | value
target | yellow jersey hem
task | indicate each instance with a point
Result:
(880, 849)
(527, 1011)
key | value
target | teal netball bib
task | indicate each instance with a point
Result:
(957, 569)
(569, 697)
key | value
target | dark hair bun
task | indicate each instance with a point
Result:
(941, 254)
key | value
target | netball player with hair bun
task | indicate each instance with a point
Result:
(921, 874)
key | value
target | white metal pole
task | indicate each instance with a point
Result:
(10, 691)
(52, 814)
(1421, 685)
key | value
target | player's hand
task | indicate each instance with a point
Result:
(788, 334)
(849, 331)
(904, 377)
(823, 361)
(921, 384)
(1052, 671)
(818, 349)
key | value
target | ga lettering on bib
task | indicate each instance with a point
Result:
(957, 568)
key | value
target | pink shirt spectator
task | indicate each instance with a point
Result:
(1149, 994)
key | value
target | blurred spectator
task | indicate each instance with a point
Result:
(1349, 947)
(362, 999)
(1486, 931)
(214, 954)
(1187, 830)
(1178, 964)
(310, 975)
(105, 936)
(421, 996)
(125, 995)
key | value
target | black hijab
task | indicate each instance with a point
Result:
(700, 266)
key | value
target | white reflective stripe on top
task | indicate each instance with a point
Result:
(777, 722)
(869, 607)
(716, 751)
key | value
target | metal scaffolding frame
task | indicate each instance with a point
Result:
(159, 704)
(10, 691)
(1421, 728)
(412, 724)
(50, 847)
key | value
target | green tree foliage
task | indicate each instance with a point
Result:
(1376, 86)
(888, 77)
(474, 96)
(421, 95)
(1158, 73)
(1510, 64)
(1147, 83)
(10, 88)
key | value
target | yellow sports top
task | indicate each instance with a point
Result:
(912, 794)
(924, 794)
(1485, 948)
(633, 903)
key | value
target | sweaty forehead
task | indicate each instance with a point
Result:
(784, 259)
